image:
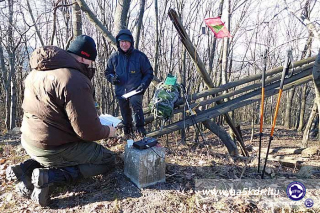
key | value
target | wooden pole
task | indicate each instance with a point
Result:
(201, 68)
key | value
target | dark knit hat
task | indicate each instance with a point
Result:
(125, 37)
(84, 46)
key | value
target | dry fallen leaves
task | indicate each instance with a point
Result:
(2, 161)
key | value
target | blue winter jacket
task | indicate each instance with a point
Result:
(133, 68)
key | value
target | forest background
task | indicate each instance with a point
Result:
(255, 26)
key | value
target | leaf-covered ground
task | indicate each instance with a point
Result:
(114, 192)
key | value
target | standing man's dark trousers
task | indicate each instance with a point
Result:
(126, 112)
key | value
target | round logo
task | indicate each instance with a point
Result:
(308, 203)
(296, 191)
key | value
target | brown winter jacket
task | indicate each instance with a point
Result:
(58, 101)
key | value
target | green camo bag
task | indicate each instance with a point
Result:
(164, 98)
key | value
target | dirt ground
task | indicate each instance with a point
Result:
(185, 164)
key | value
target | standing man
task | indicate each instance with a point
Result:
(129, 69)
(60, 121)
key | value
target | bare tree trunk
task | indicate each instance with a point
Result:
(303, 98)
(213, 45)
(287, 117)
(218, 70)
(225, 61)
(316, 105)
(76, 19)
(54, 26)
(226, 49)
(182, 79)
(3, 67)
(290, 94)
(35, 23)
(120, 17)
(156, 55)
(138, 29)
(316, 68)
(253, 112)
(12, 104)
(313, 113)
(8, 98)
(302, 108)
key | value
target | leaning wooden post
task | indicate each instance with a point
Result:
(201, 69)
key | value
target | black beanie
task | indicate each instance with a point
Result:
(84, 46)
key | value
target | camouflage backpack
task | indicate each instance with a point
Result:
(164, 98)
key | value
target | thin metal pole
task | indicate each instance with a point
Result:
(192, 114)
(262, 106)
(284, 73)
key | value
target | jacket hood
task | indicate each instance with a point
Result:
(52, 57)
(125, 32)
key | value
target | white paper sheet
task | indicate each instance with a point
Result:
(129, 94)
(109, 120)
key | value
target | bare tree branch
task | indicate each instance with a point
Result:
(34, 23)
(139, 23)
(93, 18)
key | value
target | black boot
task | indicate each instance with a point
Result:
(22, 172)
(141, 131)
(127, 132)
(43, 178)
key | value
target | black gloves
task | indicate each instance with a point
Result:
(114, 79)
(140, 88)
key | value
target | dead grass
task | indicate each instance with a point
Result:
(115, 193)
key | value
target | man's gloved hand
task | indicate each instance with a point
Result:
(140, 88)
(115, 80)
